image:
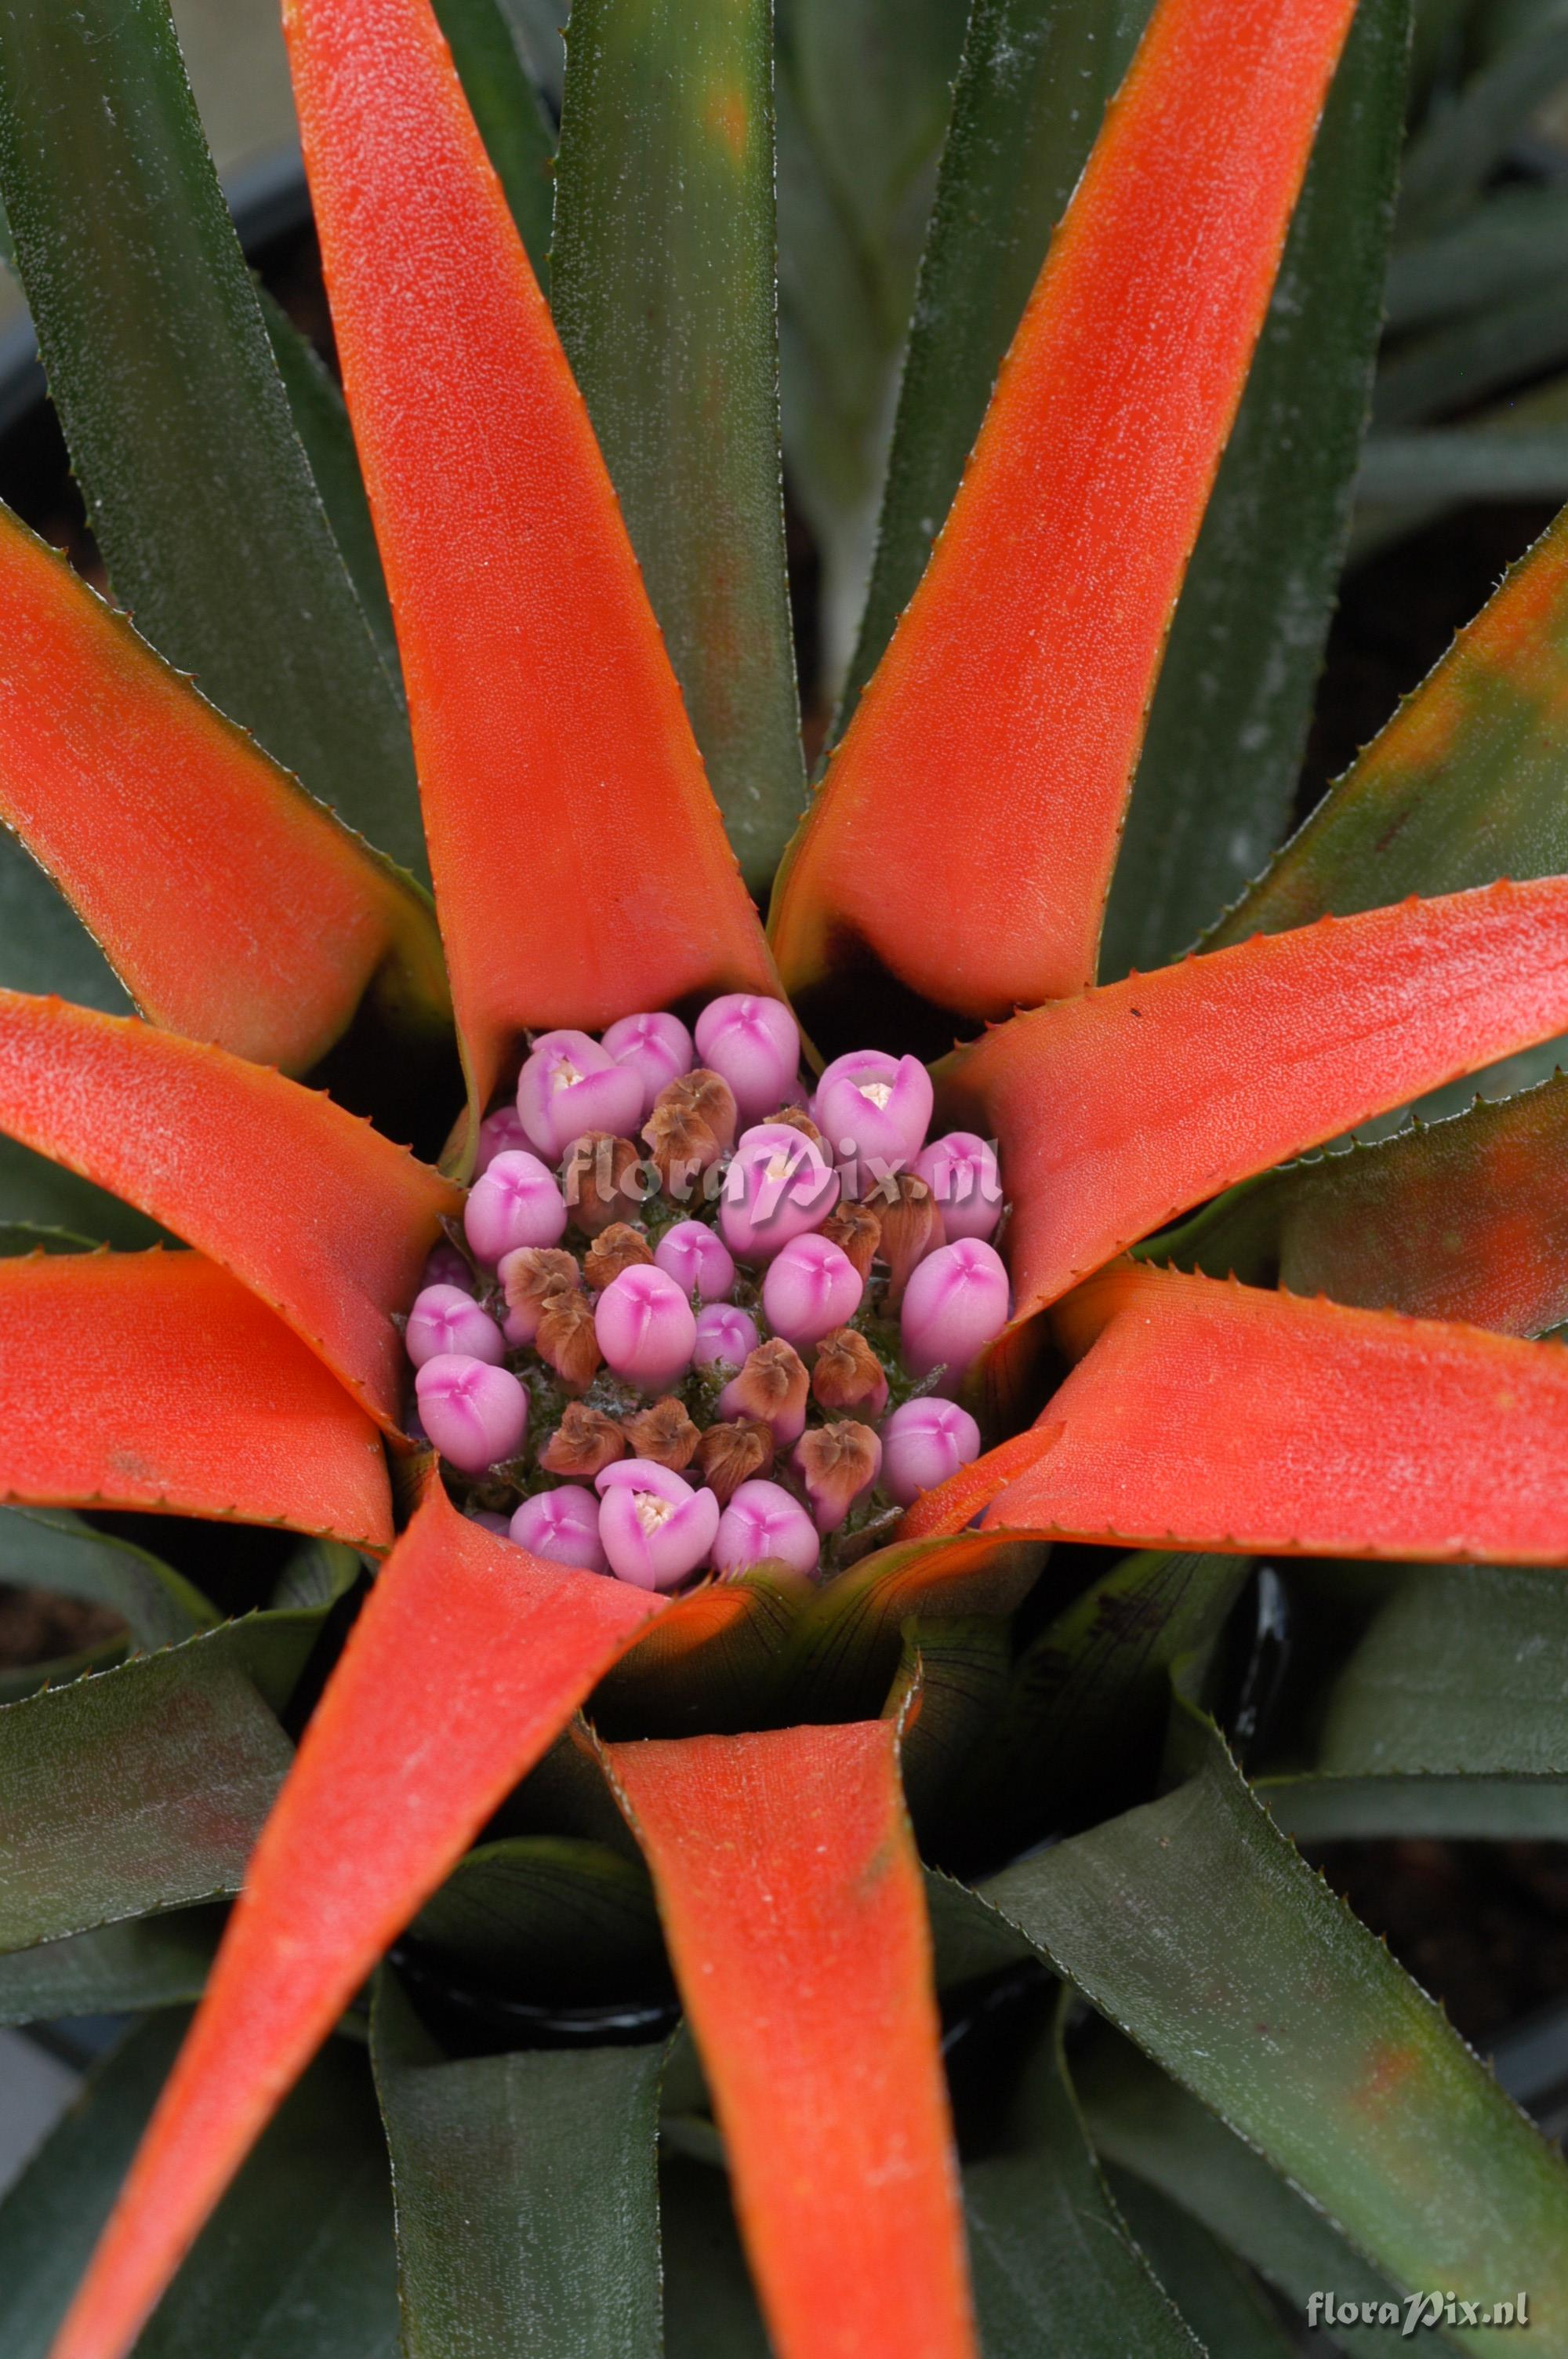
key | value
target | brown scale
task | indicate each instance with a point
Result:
(620, 1247)
(567, 1339)
(664, 1433)
(730, 1454)
(584, 1443)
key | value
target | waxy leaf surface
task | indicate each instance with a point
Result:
(180, 435)
(793, 1906)
(666, 309)
(323, 1219)
(580, 866)
(232, 907)
(1120, 1109)
(528, 2203)
(157, 1380)
(1228, 1418)
(469, 1657)
(987, 768)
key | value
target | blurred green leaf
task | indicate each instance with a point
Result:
(528, 2207)
(179, 429)
(296, 2263)
(1229, 724)
(23, 1237)
(1510, 242)
(863, 93)
(956, 1673)
(1031, 89)
(1465, 785)
(1465, 462)
(1215, 2292)
(548, 1915)
(125, 1969)
(710, 2311)
(1193, 1925)
(665, 302)
(1459, 146)
(1142, 2120)
(44, 946)
(519, 137)
(1463, 1219)
(1459, 363)
(36, 1192)
(1053, 2266)
(44, 1547)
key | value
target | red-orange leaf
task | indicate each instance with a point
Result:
(468, 1660)
(232, 906)
(965, 837)
(580, 864)
(792, 1901)
(152, 1380)
(1120, 1109)
(320, 1216)
(1219, 1416)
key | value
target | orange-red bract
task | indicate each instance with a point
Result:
(157, 1380)
(964, 836)
(580, 864)
(1120, 1109)
(792, 1899)
(467, 1659)
(232, 907)
(320, 1216)
(1226, 1416)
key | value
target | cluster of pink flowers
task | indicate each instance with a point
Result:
(743, 1253)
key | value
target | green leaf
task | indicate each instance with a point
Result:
(44, 946)
(1142, 2120)
(1459, 363)
(37, 1193)
(1195, 1925)
(1466, 462)
(1217, 2295)
(179, 425)
(126, 1969)
(1080, 1731)
(862, 105)
(42, 1547)
(1032, 88)
(1448, 1718)
(297, 2262)
(518, 135)
(666, 308)
(527, 2206)
(322, 421)
(548, 1918)
(1460, 144)
(1228, 725)
(1509, 242)
(1054, 2266)
(1463, 1219)
(710, 2311)
(956, 1674)
(24, 1237)
(1464, 785)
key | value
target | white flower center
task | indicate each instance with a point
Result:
(652, 1513)
(564, 1075)
(878, 1093)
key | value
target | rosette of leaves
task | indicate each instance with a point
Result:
(660, 1903)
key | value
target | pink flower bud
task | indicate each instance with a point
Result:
(778, 1187)
(723, 1333)
(445, 1265)
(569, 1085)
(445, 1319)
(755, 1045)
(657, 1048)
(474, 1414)
(489, 1523)
(645, 1328)
(924, 1443)
(562, 1526)
(763, 1523)
(880, 1104)
(961, 1172)
(810, 1288)
(838, 1463)
(501, 1133)
(956, 1300)
(653, 1527)
(516, 1204)
(699, 1261)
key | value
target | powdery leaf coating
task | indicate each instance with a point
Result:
(474, 1414)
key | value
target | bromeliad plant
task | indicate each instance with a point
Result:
(641, 1279)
